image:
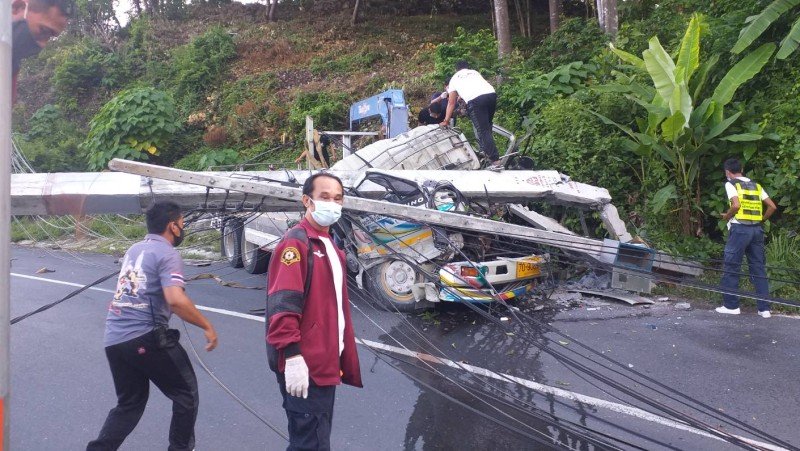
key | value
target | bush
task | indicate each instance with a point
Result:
(478, 49)
(84, 68)
(199, 67)
(206, 158)
(331, 64)
(51, 143)
(568, 138)
(576, 39)
(132, 125)
(329, 111)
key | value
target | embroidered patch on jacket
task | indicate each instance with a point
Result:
(290, 255)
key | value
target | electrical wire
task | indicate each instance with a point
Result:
(227, 389)
(622, 388)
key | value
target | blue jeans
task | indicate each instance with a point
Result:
(745, 240)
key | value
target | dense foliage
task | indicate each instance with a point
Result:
(133, 125)
(219, 85)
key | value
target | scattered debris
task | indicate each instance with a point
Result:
(662, 298)
(503, 318)
(652, 326)
(591, 281)
(591, 309)
(538, 307)
(618, 295)
(683, 306)
(222, 282)
(44, 270)
(562, 297)
(563, 343)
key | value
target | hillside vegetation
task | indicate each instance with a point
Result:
(220, 84)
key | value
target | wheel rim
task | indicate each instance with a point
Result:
(229, 238)
(397, 279)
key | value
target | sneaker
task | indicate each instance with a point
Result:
(729, 311)
(765, 314)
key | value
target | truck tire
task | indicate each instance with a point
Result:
(389, 285)
(254, 259)
(230, 243)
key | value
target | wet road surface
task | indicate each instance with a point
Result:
(743, 366)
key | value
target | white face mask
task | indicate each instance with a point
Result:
(326, 213)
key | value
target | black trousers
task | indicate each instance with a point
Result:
(134, 364)
(310, 419)
(481, 112)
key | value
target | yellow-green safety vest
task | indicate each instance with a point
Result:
(751, 209)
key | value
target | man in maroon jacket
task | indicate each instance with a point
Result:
(311, 346)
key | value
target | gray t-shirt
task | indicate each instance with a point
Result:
(148, 267)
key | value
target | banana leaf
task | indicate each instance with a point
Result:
(760, 22)
(742, 137)
(741, 72)
(662, 197)
(661, 68)
(629, 58)
(672, 127)
(702, 76)
(689, 54)
(722, 126)
(681, 101)
(790, 42)
(699, 114)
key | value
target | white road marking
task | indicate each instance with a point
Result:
(546, 389)
(60, 282)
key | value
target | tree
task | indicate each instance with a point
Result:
(607, 16)
(271, 6)
(681, 128)
(355, 13)
(555, 14)
(503, 32)
(523, 9)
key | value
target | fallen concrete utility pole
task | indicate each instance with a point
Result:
(587, 246)
(597, 250)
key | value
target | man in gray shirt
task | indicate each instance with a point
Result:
(139, 346)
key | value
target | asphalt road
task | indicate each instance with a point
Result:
(745, 367)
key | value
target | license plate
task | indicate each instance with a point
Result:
(528, 269)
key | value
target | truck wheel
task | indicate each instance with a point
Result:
(390, 285)
(230, 244)
(254, 259)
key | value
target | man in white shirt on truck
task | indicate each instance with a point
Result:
(481, 104)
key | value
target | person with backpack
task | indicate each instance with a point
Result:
(311, 344)
(745, 237)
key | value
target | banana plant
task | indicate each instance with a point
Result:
(758, 24)
(680, 127)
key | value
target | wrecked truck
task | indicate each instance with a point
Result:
(435, 168)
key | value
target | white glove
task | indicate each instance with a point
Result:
(296, 374)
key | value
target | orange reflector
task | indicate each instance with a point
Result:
(469, 271)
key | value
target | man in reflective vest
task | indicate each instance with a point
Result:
(746, 237)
